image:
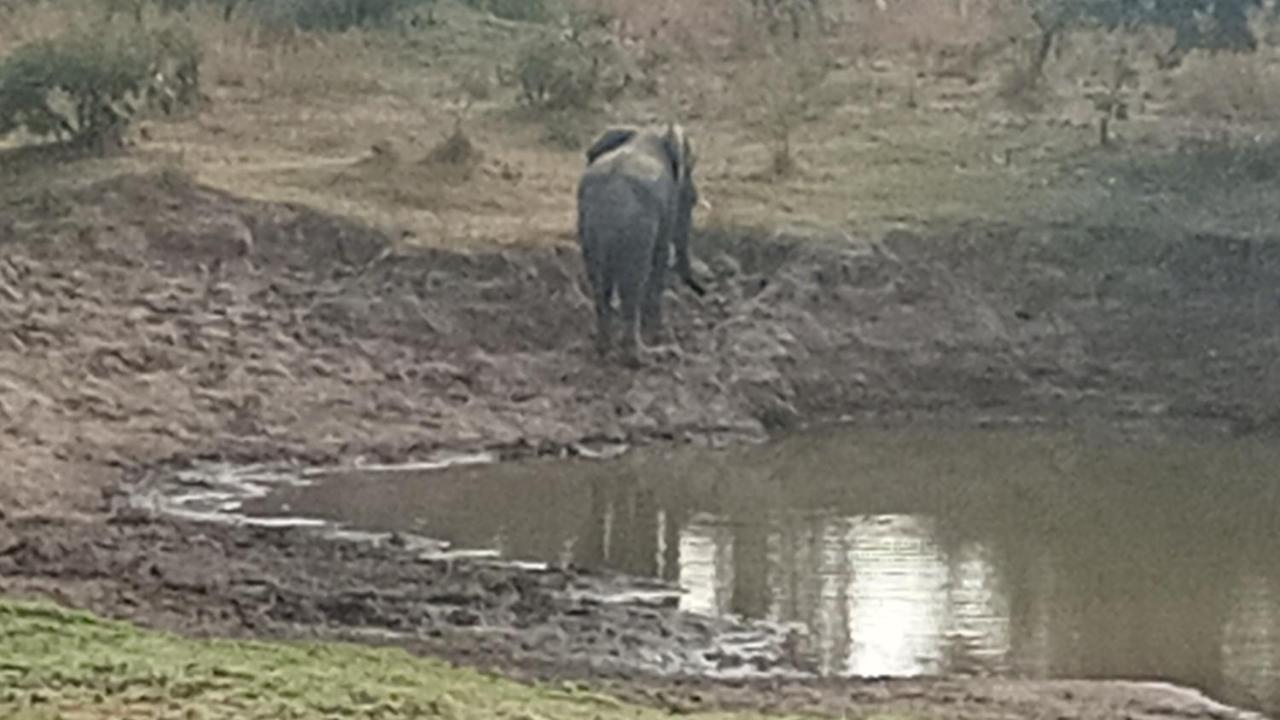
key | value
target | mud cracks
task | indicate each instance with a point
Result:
(147, 323)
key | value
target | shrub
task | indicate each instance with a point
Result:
(456, 150)
(572, 68)
(522, 10)
(1209, 164)
(329, 15)
(1213, 25)
(135, 9)
(791, 14)
(175, 61)
(555, 75)
(85, 87)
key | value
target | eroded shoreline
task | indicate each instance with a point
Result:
(225, 330)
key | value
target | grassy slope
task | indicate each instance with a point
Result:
(57, 663)
(295, 119)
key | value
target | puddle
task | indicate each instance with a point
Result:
(218, 492)
(903, 553)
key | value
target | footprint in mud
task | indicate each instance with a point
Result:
(657, 357)
(462, 617)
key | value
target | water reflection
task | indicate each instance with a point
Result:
(910, 554)
(878, 593)
(706, 568)
(1251, 647)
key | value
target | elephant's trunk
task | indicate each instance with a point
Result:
(685, 270)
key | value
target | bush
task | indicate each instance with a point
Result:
(329, 15)
(305, 15)
(522, 10)
(571, 69)
(791, 14)
(564, 80)
(86, 87)
(1213, 25)
(556, 75)
(135, 9)
(1208, 165)
(175, 80)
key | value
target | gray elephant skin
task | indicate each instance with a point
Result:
(635, 205)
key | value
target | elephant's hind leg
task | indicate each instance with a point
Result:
(602, 290)
(630, 291)
(651, 309)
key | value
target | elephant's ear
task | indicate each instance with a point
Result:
(690, 157)
(611, 139)
(678, 150)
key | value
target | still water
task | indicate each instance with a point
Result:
(907, 553)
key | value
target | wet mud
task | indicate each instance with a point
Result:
(147, 324)
(288, 582)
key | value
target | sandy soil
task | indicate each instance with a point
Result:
(146, 322)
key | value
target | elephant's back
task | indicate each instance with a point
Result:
(616, 215)
(611, 199)
(634, 161)
(631, 184)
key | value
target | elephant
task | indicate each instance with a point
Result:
(636, 199)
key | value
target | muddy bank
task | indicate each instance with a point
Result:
(218, 580)
(152, 321)
(213, 579)
(146, 323)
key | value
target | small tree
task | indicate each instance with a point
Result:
(471, 85)
(1113, 102)
(784, 95)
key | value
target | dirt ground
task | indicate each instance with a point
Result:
(146, 322)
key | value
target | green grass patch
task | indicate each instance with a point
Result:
(56, 663)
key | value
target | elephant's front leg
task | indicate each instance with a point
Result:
(651, 309)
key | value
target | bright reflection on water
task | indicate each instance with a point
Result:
(908, 553)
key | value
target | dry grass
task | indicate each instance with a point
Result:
(247, 55)
(25, 22)
(1231, 87)
(296, 118)
(688, 26)
(934, 29)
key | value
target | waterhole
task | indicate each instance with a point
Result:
(904, 553)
